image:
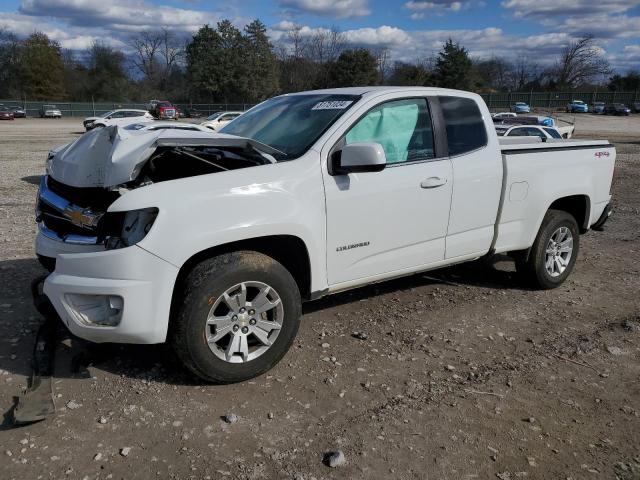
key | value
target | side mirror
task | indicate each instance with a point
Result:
(358, 157)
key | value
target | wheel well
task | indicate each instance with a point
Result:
(576, 205)
(290, 251)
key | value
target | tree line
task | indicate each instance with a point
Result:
(223, 63)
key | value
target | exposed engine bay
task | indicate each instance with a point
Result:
(87, 176)
(171, 163)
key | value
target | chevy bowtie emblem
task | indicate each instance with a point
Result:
(81, 217)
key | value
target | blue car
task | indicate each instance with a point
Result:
(520, 107)
(577, 106)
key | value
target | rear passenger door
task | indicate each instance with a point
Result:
(385, 223)
(477, 176)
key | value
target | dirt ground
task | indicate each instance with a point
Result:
(464, 373)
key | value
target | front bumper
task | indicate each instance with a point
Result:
(143, 282)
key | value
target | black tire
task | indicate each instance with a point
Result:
(209, 280)
(532, 269)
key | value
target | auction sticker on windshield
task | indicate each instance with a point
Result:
(334, 105)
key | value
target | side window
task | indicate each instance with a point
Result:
(402, 127)
(465, 127)
(518, 132)
(536, 132)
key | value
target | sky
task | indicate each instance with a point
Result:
(412, 30)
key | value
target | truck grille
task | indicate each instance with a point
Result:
(75, 215)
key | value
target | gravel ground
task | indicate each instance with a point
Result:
(461, 373)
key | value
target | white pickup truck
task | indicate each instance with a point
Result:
(212, 242)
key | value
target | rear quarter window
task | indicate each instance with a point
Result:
(464, 125)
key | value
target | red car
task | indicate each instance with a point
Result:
(6, 114)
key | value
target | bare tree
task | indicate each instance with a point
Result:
(325, 46)
(298, 41)
(157, 54)
(579, 63)
(146, 46)
(383, 60)
(171, 50)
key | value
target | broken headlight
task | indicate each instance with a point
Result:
(134, 226)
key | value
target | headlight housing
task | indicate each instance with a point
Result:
(131, 227)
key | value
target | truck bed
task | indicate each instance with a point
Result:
(536, 173)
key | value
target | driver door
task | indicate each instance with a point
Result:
(390, 222)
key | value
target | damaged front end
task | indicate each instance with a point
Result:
(85, 177)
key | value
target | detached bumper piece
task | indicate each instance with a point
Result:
(599, 225)
(36, 403)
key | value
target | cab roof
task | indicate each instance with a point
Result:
(378, 90)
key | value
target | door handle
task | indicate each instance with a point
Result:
(433, 182)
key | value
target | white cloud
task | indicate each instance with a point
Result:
(384, 36)
(540, 8)
(602, 18)
(72, 38)
(603, 25)
(627, 59)
(122, 15)
(329, 8)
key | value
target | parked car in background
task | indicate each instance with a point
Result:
(219, 119)
(617, 109)
(5, 113)
(636, 107)
(50, 111)
(564, 127)
(520, 107)
(18, 112)
(577, 106)
(103, 120)
(163, 110)
(597, 107)
(545, 133)
(497, 117)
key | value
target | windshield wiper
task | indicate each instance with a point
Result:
(263, 147)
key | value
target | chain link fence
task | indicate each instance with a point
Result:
(556, 100)
(495, 101)
(92, 109)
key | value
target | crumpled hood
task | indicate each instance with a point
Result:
(111, 156)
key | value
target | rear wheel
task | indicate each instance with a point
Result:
(238, 316)
(554, 252)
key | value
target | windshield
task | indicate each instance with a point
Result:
(104, 115)
(214, 116)
(291, 123)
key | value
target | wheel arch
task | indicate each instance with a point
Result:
(578, 206)
(289, 250)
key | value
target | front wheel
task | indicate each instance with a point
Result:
(554, 251)
(238, 316)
